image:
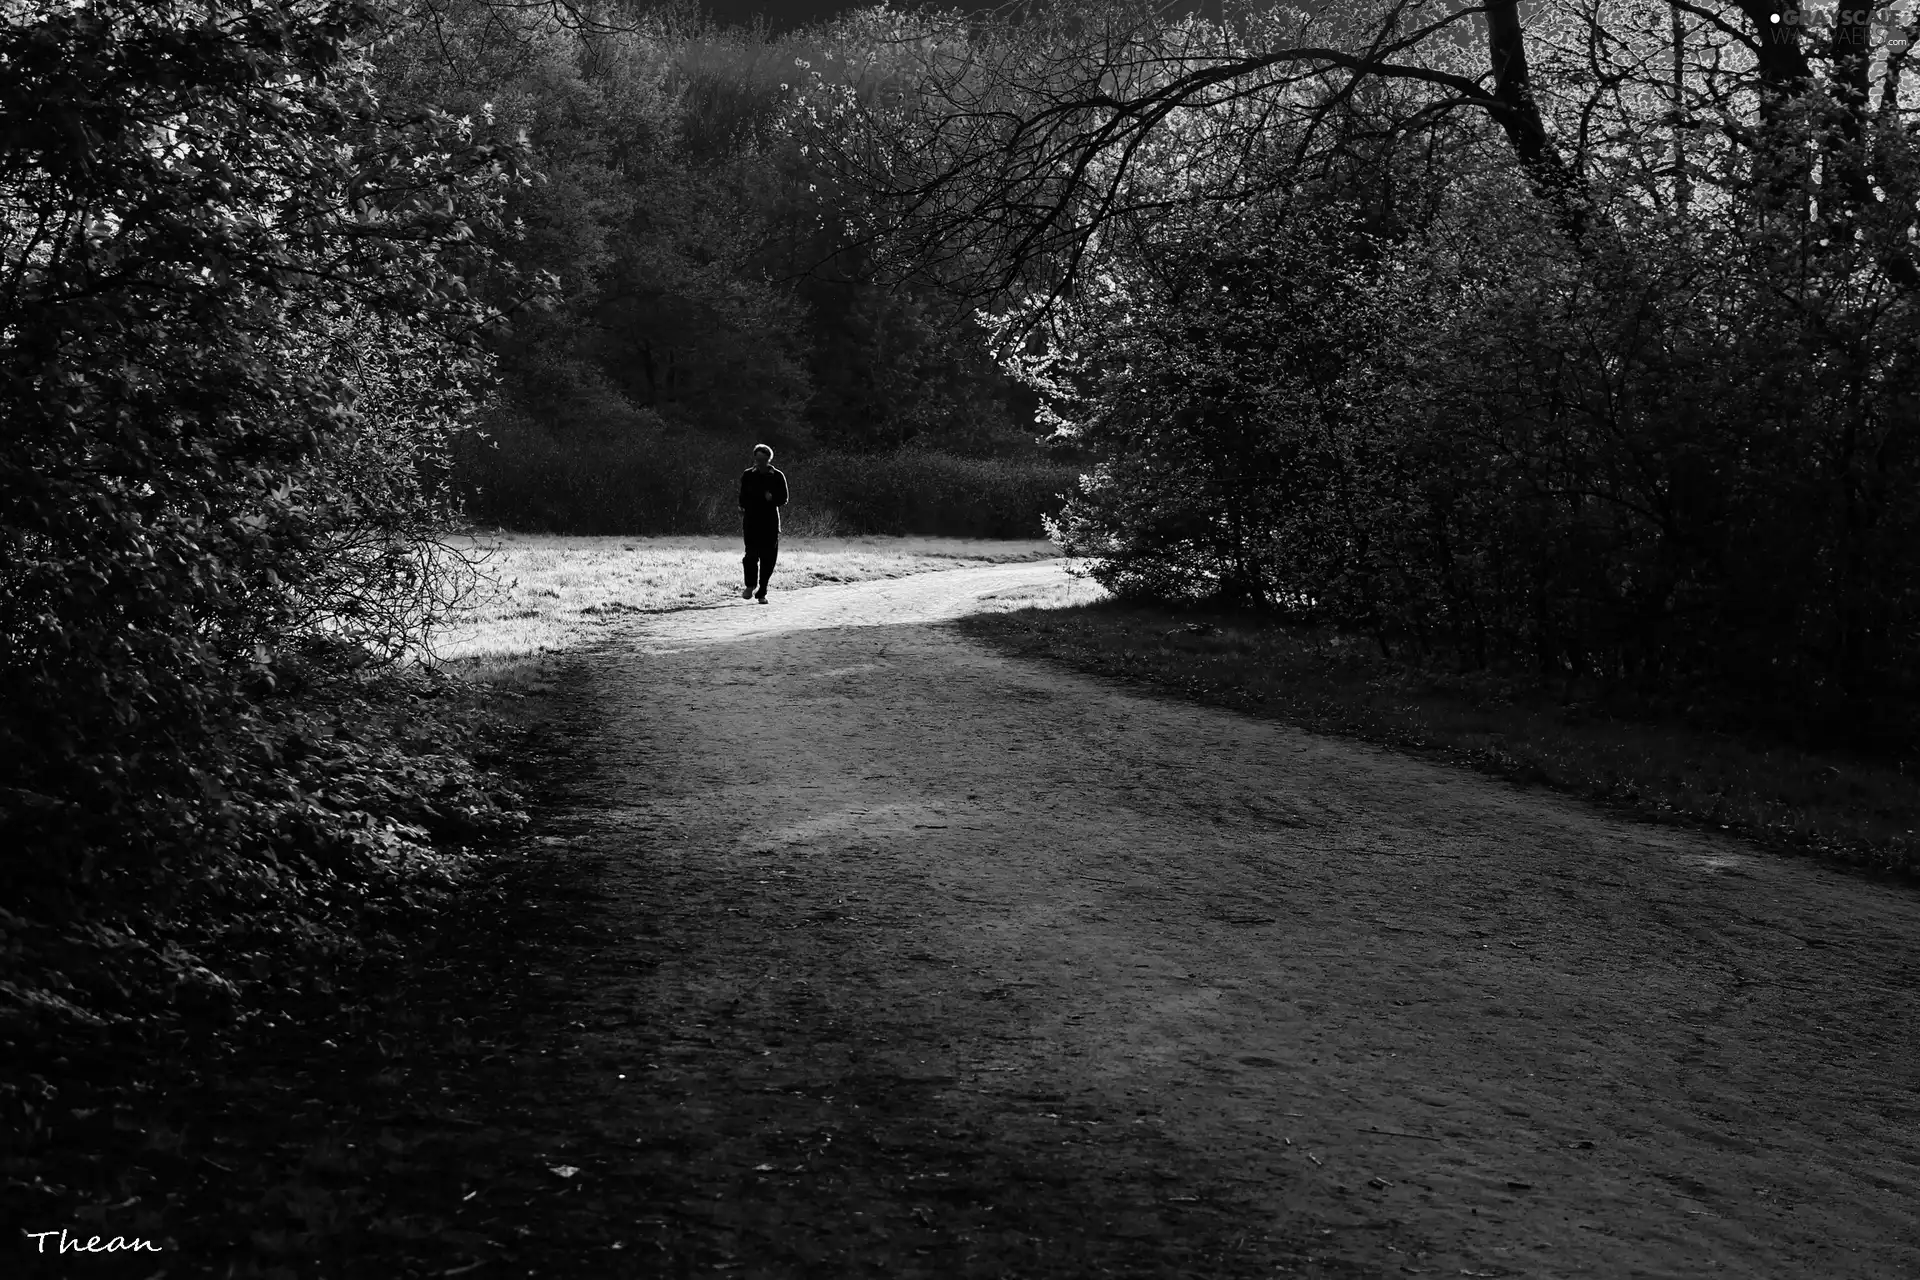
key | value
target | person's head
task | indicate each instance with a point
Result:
(763, 455)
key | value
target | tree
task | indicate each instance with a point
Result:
(1005, 144)
(1241, 392)
(197, 198)
(1337, 355)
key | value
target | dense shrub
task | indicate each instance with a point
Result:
(1681, 460)
(1689, 465)
(913, 491)
(1248, 419)
(233, 317)
(646, 480)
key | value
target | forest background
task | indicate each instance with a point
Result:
(1577, 342)
(708, 285)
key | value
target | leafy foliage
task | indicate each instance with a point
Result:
(237, 337)
(647, 481)
(1374, 372)
(709, 272)
(1248, 424)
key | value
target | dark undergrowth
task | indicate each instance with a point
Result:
(307, 1122)
(1856, 810)
(532, 480)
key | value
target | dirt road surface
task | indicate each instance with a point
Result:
(912, 959)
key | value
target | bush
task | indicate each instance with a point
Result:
(631, 476)
(626, 474)
(1682, 464)
(227, 384)
(915, 491)
(1249, 424)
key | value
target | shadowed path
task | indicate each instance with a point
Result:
(1083, 982)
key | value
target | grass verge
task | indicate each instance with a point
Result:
(545, 594)
(1858, 812)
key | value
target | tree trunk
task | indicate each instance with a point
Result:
(1781, 165)
(1519, 117)
(1845, 163)
(1682, 184)
(1784, 71)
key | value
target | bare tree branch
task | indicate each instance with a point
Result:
(1016, 145)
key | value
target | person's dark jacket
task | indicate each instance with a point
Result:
(762, 494)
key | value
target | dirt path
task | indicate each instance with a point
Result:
(917, 960)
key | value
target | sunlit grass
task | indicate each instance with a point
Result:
(546, 594)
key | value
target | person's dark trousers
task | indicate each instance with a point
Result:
(762, 550)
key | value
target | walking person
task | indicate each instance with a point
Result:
(763, 491)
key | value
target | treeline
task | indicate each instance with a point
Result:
(709, 283)
(577, 482)
(1601, 366)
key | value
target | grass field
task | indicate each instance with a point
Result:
(1863, 812)
(545, 594)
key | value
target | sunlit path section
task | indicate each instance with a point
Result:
(918, 598)
(531, 594)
